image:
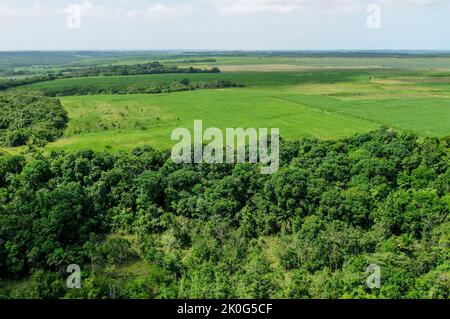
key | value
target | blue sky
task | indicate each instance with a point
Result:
(224, 24)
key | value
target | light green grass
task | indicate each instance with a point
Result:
(124, 122)
(322, 104)
(325, 104)
(248, 78)
(423, 63)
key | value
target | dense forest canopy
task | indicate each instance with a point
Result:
(33, 119)
(142, 227)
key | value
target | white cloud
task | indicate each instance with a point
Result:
(414, 3)
(333, 6)
(160, 10)
(9, 11)
(287, 6)
(123, 9)
(155, 11)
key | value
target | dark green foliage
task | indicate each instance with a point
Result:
(207, 60)
(135, 69)
(225, 231)
(32, 119)
(111, 70)
(175, 86)
(9, 84)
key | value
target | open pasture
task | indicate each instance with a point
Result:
(325, 104)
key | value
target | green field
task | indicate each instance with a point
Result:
(321, 97)
(128, 121)
(142, 227)
(295, 62)
(322, 104)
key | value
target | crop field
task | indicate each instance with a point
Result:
(323, 104)
(286, 63)
(261, 64)
(128, 121)
(320, 97)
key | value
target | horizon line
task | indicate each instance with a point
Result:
(225, 50)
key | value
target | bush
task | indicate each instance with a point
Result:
(31, 119)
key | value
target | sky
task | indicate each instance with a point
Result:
(224, 24)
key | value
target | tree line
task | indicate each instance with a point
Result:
(154, 88)
(110, 70)
(134, 69)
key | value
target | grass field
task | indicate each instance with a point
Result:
(250, 79)
(323, 104)
(266, 63)
(120, 122)
(325, 97)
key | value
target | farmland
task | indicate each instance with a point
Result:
(364, 175)
(320, 103)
